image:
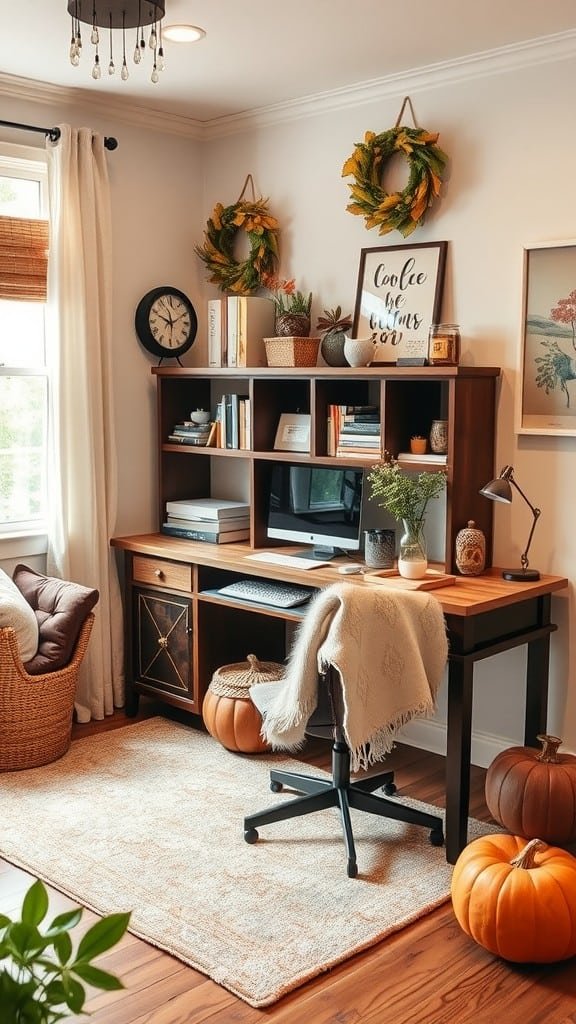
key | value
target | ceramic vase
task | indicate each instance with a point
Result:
(439, 437)
(380, 548)
(332, 348)
(359, 351)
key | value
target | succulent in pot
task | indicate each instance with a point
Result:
(333, 326)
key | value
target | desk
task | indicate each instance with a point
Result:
(485, 615)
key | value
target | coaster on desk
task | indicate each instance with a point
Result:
(431, 581)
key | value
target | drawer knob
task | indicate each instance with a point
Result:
(159, 573)
(163, 642)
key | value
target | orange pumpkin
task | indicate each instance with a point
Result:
(229, 714)
(516, 900)
(235, 722)
(532, 792)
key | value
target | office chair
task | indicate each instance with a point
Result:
(414, 619)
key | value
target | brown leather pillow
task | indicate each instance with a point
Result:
(61, 608)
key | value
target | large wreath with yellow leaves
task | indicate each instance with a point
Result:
(217, 252)
(405, 210)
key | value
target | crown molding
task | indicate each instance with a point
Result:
(56, 95)
(544, 50)
(505, 59)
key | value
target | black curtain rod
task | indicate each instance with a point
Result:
(52, 133)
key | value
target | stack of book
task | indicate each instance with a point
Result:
(216, 520)
(354, 430)
(188, 432)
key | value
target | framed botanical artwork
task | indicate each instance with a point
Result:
(399, 296)
(546, 395)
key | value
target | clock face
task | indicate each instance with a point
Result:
(166, 322)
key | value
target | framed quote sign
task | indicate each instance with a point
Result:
(399, 295)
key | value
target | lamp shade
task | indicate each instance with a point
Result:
(498, 490)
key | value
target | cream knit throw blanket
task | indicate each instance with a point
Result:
(390, 649)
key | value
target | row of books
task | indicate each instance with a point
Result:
(214, 520)
(237, 326)
(233, 422)
(354, 430)
(199, 435)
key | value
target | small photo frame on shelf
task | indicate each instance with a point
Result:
(546, 396)
(398, 297)
(293, 433)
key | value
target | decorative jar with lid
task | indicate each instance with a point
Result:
(444, 345)
(470, 550)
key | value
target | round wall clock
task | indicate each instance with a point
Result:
(166, 322)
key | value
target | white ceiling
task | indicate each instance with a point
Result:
(262, 52)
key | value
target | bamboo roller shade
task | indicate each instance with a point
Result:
(23, 258)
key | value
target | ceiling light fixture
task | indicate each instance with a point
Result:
(140, 15)
(183, 33)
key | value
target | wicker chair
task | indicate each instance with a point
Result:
(36, 710)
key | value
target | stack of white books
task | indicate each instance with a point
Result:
(216, 520)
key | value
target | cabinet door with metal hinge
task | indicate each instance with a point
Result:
(163, 643)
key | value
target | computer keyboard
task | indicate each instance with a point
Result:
(291, 561)
(280, 595)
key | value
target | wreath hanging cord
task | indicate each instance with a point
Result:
(217, 250)
(403, 210)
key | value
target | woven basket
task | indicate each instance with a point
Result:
(36, 711)
(292, 351)
(236, 680)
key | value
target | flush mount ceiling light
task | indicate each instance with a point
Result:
(143, 16)
(183, 33)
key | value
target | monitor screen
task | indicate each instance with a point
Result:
(316, 505)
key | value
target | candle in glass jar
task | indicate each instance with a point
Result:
(444, 344)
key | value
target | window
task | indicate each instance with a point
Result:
(23, 372)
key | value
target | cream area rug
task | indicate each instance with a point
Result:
(149, 819)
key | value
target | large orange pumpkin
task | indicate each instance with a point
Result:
(229, 714)
(516, 900)
(532, 792)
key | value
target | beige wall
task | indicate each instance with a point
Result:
(510, 183)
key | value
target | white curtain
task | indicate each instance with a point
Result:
(82, 465)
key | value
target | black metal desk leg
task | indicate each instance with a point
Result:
(459, 730)
(537, 668)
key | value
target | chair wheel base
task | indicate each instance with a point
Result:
(437, 837)
(276, 787)
(390, 788)
(251, 836)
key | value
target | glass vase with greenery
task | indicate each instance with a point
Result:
(41, 977)
(405, 496)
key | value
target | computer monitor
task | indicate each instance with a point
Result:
(316, 505)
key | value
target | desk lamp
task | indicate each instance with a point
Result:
(501, 490)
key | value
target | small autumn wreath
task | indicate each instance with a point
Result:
(405, 210)
(217, 252)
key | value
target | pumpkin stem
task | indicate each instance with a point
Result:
(549, 751)
(525, 859)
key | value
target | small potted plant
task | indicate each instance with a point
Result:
(41, 977)
(333, 326)
(292, 307)
(405, 496)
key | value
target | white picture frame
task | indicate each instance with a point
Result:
(293, 432)
(546, 392)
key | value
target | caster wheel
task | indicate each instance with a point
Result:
(437, 837)
(389, 788)
(251, 835)
(352, 869)
(276, 787)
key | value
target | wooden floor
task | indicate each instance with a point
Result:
(429, 972)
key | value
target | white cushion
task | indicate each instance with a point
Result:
(16, 612)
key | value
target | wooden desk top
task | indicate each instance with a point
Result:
(468, 595)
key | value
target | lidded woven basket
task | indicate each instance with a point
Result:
(236, 680)
(229, 714)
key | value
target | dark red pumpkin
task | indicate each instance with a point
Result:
(532, 792)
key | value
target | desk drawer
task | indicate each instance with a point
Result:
(175, 575)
